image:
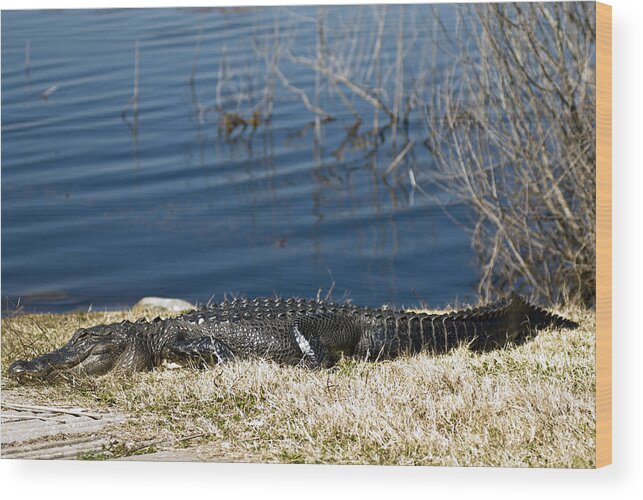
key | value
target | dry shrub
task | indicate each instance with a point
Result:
(513, 135)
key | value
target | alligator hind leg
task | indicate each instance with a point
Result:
(313, 353)
(323, 338)
(202, 351)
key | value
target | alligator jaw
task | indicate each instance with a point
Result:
(45, 367)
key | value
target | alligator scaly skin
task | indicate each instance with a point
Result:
(303, 332)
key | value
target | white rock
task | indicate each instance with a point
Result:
(174, 305)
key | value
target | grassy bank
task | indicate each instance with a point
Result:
(527, 406)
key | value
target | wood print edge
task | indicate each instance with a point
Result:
(603, 234)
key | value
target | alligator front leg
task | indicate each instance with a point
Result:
(197, 351)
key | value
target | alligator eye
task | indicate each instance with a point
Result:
(106, 349)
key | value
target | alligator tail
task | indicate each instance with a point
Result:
(512, 320)
(536, 317)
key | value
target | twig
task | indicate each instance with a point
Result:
(133, 101)
(332, 285)
(350, 84)
(30, 417)
(398, 93)
(46, 93)
(51, 409)
(27, 58)
(398, 159)
(159, 441)
(302, 95)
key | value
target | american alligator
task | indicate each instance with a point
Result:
(310, 333)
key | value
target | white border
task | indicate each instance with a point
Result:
(100, 480)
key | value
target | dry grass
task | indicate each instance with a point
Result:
(528, 406)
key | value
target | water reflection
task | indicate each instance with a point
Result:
(132, 105)
(270, 146)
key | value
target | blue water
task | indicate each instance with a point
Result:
(100, 209)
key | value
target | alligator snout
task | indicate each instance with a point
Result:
(90, 352)
(48, 365)
(22, 369)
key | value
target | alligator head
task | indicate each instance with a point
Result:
(91, 351)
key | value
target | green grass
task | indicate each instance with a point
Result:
(527, 406)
